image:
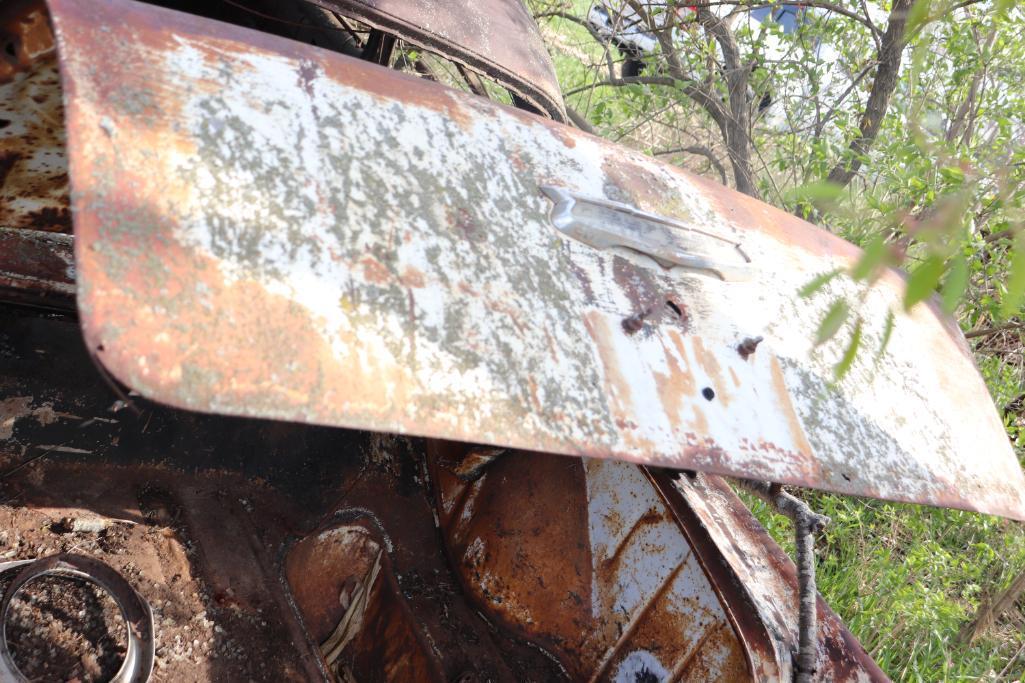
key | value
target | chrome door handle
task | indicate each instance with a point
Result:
(603, 224)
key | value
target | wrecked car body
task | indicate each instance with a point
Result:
(367, 378)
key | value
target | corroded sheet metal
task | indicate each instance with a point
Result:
(759, 583)
(270, 230)
(344, 586)
(582, 558)
(37, 266)
(498, 38)
(33, 162)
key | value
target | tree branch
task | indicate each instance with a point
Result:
(806, 523)
(579, 121)
(989, 610)
(986, 332)
(700, 151)
(736, 126)
(883, 85)
(959, 124)
(821, 124)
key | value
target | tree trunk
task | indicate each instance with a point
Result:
(891, 49)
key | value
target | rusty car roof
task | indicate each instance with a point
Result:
(497, 38)
(265, 228)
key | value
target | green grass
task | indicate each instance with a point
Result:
(905, 578)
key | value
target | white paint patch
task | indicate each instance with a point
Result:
(640, 666)
(419, 244)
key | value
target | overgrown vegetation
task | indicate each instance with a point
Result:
(900, 126)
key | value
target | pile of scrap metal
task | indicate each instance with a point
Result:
(354, 376)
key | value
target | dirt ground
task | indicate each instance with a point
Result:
(66, 630)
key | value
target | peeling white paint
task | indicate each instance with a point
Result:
(410, 228)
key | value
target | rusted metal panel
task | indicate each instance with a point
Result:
(37, 266)
(581, 557)
(33, 163)
(498, 38)
(759, 582)
(270, 230)
(240, 531)
(364, 611)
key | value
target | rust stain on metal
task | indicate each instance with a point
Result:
(717, 390)
(748, 346)
(476, 460)
(33, 160)
(25, 29)
(759, 582)
(37, 266)
(325, 571)
(474, 33)
(273, 200)
(584, 559)
(635, 323)
(793, 422)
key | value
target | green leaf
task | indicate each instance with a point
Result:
(851, 351)
(887, 333)
(831, 323)
(818, 283)
(923, 281)
(822, 191)
(917, 16)
(870, 260)
(952, 174)
(955, 284)
(1012, 299)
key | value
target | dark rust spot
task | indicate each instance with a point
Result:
(748, 346)
(635, 323)
(462, 221)
(51, 219)
(375, 271)
(7, 161)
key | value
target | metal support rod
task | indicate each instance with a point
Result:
(806, 523)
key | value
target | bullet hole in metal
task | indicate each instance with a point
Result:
(846, 478)
(708, 393)
(675, 308)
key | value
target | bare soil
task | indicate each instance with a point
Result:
(67, 630)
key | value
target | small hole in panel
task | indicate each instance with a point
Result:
(11, 49)
(708, 393)
(672, 306)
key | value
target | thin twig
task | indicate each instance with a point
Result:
(22, 465)
(993, 330)
(1007, 667)
(700, 151)
(806, 523)
(579, 121)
